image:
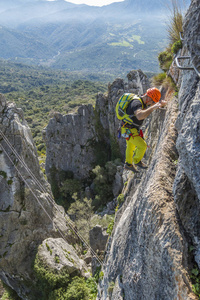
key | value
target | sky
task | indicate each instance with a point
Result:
(94, 2)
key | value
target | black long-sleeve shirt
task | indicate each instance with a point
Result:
(132, 107)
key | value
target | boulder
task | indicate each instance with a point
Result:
(98, 238)
(59, 256)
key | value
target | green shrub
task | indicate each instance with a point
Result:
(165, 59)
(53, 285)
(104, 177)
(103, 221)
(194, 271)
(9, 294)
(174, 27)
(195, 277)
(3, 174)
(81, 211)
(76, 290)
(49, 249)
(98, 274)
(47, 280)
(110, 227)
(168, 83)
(71, 186)
(176, 46)
(64, 185)
(91, 284)
(120, 199)
(115, 150)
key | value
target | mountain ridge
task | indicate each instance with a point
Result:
(59, 34)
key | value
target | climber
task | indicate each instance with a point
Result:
(132, 110)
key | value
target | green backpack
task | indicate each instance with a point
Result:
(122, 105)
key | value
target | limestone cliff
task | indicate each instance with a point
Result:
(187, 181)
(28, 213)
(149, 253)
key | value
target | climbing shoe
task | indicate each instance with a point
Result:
(130, 167)
(141, 165)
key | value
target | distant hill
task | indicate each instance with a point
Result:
(113, 38)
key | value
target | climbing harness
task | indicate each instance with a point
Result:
(49, 197)
(128, 134)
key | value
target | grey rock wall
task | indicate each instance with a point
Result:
(191, 32)
(187, 181)
(68, 140)
(148, 252)
(26, 220)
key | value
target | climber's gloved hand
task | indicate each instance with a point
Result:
(163, 103)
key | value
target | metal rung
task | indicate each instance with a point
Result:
(181, 37)
(187, 67)
(181, 67)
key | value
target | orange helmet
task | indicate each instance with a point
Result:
(154, 94)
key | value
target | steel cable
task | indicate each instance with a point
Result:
(37, 182)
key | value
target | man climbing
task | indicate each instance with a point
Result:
(132, 110)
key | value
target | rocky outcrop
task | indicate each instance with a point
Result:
(68, 140)
(28, 212)
(60, 257)
(98, 238)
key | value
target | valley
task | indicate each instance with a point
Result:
(112, 39)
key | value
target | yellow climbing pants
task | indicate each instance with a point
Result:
(135, 146)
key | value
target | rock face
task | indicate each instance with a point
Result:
(28, 213)
(68, 140)
(187, 181)
(76, 142)
(148, 255)
(191, 32)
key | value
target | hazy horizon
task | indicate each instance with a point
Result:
(93, 2)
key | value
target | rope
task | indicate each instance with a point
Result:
(49, 197)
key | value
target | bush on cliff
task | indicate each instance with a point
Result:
(9, 294)
(104, 177)
(60, 286)
(81, 212)
(165, 59)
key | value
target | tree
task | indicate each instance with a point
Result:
(81, 212)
